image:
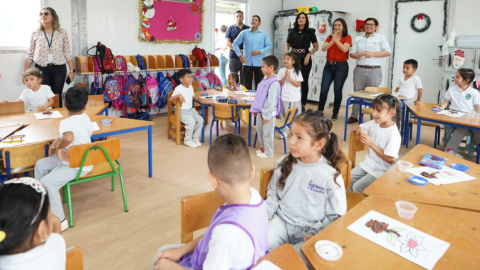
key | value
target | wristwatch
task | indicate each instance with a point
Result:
(73, 70)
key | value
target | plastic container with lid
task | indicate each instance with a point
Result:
(406, 210)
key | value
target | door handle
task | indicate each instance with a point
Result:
(315, 91)
(449, 59)
(316, 68)
(448, 85)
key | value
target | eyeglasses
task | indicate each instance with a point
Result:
(44, 13)
(370, 24)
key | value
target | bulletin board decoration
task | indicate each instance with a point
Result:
(171, 21)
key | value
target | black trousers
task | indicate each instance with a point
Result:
(54, 76)
(305, 74)
(248, 72)
(235, 66)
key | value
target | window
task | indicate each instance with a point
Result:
(18, 19)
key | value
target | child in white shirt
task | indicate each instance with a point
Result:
(410, 84)
(189, 115)
(291, 79)
(383, 140)
(54, 171)
(36, 97)
(29, 233)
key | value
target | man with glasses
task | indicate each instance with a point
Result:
(232, 33)
(368, 49)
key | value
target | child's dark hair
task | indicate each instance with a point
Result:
(181, 73)
(234, 76)
(467, 74)
(271, 61)
(412, 62)
(385, 99)
(229, 159)
(21, 211)
(75, 99)
(33, 72)
(318, 127)
(297, 66)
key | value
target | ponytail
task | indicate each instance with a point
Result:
(286, 167)
(331, 151)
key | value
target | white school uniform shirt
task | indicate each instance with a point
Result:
(290, 93)
(374, 43)
(51, 255)
(230, 247)
(187, 93)
(388, 140)
(32, 99)
(463, 101)
(81, 127)
(409, 87)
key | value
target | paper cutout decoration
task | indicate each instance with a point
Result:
(458, 59)
(323, 27)
(148, 12)
(171, 25)
(360, 26)
(195, 7)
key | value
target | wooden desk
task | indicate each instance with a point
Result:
(395, 184)
(7, 131)
(458, 227)
(470, 121)
(241, 104)
(7, 124)
(285, 257)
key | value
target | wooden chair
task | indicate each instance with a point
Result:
(224, 112)
(195, 85)
(382, 90)
(412, 122)
(175, 128)
(15, 107)
(281, 124)
(22, 159)
(103, 156)
(354, 145)
(197, 212)
(265, 177)
(56, 101)
(74, 259)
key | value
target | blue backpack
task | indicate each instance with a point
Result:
(113, 88)
(165, 86)
(96, 86)
(185, 61)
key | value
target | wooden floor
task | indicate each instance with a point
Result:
(113, 239)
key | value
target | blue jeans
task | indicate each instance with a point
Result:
(336, 73)
(223, 69)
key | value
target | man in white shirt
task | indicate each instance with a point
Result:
(368, 49)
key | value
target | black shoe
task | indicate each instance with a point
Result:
(352, 120)
(334, 117)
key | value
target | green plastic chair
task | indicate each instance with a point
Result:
(103, 156)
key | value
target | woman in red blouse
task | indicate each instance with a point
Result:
(336, 68)
(50, 50)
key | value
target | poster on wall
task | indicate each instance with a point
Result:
(171, 21)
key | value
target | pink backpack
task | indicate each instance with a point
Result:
(203, 83)
(213, 80)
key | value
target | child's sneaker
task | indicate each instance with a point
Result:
(262, 155)
(191, 144)
(197, 142)
(64, 225)
(260, 151)
(452, 152)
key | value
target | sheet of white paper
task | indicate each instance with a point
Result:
(451, 114)
(413, 245)
(375, 95)
(248, 98)
(446, 175)
(95, 127)
(266, 265)
(55, 114)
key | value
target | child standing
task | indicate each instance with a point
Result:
(234, 83)
(306, 192)
(410, 84)
(267, 104)
(189, 115)
(383, 140)
(237, 235)
(54, 171)
(291, 79)
(29, 233)
(462, 98)
(36, 97)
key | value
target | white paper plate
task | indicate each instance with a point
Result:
(328, 250)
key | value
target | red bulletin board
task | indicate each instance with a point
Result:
(171, 21)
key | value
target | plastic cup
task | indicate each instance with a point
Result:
(404, 166)
(106, 122)
(405, 209)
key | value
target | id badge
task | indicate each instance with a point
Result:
(50, 58)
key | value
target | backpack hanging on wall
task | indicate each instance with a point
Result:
(165, 86)
(185, 61)
(201, 57)
(107, 62)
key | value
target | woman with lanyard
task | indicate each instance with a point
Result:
(50, 50)
(337, 46)
(299, 39)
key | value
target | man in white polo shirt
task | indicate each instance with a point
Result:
(368, 49)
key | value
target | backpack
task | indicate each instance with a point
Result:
(200, 56)
(213, 80)
(121, 66)
(176, 79)
(96, 86)
(140, 62)
(139, 116)
(185, 61)
(202, 80)
(153, 90)
(143, 95)
(105, 55)
(132, 96)
(165, 86)
(113, 88)
(174, 83)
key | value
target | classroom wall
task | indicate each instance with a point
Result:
(466, 16)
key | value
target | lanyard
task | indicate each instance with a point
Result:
(51, 39)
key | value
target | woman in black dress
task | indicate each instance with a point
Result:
(299, 39)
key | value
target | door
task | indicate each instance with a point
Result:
(279, 44)
(317, 66)
(450, 60)
(477, 61)
(422, 47)
(281, 25)
(315, 89)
